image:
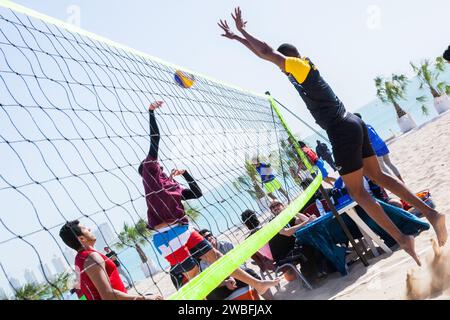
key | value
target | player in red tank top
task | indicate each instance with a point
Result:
(97, 275)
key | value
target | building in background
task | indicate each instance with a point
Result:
(70, 254)
(48, 273)
(3, 294)
(59, 265)
(30, 277)
(15, 283)
(104, 235)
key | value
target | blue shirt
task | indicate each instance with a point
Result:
(378, 144)
(265, 172)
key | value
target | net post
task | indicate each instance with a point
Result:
(321, 188)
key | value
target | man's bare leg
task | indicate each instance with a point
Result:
(191, 273)
(355, 186)
(260, 285)
(437, 220)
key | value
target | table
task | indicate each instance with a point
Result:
(325, 233)
(369, 236)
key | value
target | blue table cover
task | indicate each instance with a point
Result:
(325, 233)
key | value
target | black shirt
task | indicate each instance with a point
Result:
(112, 254)
(321, 101)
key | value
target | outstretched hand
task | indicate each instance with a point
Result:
(228, 33)
(176, 172)
(155, 105)
(238, 20)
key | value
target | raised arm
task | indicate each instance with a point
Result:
(194, 191)
(154, 130)
(223, 24)
(260, 48)
(292, 230)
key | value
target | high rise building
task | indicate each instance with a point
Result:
(70, 254)
(15, 283)
(3, 294)
(48, 273)
(59, 264)
(105, 236)
(30, 277)
(107, 232)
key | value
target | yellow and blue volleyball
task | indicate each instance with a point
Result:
(184, 79)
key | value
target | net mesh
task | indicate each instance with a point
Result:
(74, 128)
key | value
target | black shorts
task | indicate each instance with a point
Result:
(194, 259)
(351, 144)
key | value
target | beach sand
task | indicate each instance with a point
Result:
(422, 157)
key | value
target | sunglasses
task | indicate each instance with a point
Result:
(275, 205)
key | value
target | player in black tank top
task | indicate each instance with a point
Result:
(347, 133)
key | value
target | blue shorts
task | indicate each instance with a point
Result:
(321, 165)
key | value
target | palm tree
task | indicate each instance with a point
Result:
(291, 159)
(391, 91)
(249, 182)
(134, 236)
(61, 284)
(192, 211)
(428, 76)
(32, 291)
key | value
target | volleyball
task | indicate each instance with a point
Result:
(184, 79)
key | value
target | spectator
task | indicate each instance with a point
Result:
(314, 264)
(374, 190)
(98, 277)
(230, 284)
(113, 256)
(315, 160)
(268, 179)
(325, 153)
(381, 151)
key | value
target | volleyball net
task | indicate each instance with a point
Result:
(74, 128)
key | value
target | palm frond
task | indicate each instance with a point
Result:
(425, 110)
(422, 99)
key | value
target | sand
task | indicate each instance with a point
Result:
(422, 156)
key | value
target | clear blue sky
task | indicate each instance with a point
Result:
(350, 41)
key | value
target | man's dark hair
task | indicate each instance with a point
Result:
(70, 232)
(446, 54)
(301, 144)
(358, 115)
(204, 232)
(250, 219)
(288, 50)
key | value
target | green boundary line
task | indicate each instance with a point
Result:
(72, 28)
(305, 160)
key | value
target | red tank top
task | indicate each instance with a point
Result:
(310, 154)
(86, 286)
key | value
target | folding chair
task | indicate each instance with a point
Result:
(277, 256)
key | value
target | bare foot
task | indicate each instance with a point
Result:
(408, 246)
(437, 220)
(264, 285)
